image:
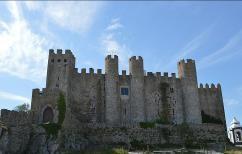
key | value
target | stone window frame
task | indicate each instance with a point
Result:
(55, 113)
(124, 96)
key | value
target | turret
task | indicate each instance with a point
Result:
(59, 68)
(136, 69)
(188, 76)
(112, 90)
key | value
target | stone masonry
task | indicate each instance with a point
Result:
(110, 107)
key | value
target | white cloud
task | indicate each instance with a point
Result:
(231, 102)
(190, 47)
(74, 16)
(112, 46)
(14, 97)
(230, 49)
(114, 25)
(22, 52)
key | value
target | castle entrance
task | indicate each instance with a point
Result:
(48, 115)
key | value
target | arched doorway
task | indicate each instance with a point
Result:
(48, 115)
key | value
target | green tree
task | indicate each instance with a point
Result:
(23, 107)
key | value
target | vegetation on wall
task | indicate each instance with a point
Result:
(53, 128)
(23, 107)
(146, 125)
(210, 119)
(137, 144)
(165, 108)
(61, 108)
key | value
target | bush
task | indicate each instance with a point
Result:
(147, 124)
(53, 128)
(137, 144)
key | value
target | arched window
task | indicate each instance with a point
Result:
(48, 115)
(238, 136)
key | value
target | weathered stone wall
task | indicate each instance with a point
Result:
(137, 100)
(86, 97)
(43, 99)
(124, 81)
(112, 97)
(188, 76)
(14, 118)
(59, 69)
(211, 102)
(153, 97)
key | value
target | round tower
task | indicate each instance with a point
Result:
(112, 90)
(188, 76)
(136, 69)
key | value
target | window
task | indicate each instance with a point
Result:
(125, 91)
(172, 90)
(52, 60)
(65, 60)
(59, 60)
(238, 137)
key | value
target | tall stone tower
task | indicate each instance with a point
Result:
(136, 69)
(59, 69)
(187, 74)
(112, 90)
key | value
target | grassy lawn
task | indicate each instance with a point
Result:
(101, 151)
(234, 150)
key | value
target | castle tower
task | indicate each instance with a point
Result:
(59, 68)
(188, 76)
(112, 90)
(136, 69)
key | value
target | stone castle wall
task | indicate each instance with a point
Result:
(211, 100)
(95, 97)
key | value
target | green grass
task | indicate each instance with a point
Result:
(100, 151)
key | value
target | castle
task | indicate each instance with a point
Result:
(119, 100)
(80, 110)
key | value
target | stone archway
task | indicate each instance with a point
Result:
(48, 115)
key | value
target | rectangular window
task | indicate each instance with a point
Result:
(125, 91)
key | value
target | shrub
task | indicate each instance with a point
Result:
(147, 124)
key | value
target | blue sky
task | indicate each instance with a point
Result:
(161, 32)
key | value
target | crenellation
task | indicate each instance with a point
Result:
(59, 51)
(51, 51)
(166, 74)
(99, 71)
(212, 86)
(158, 74)
(150, 74)
(173, 75)
(91, 70)
(123, 72)
(83, 71)
(207, 86)
(201, 86)
(106, 102)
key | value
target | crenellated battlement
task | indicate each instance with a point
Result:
(158, 74)
(209, 87)
(136, 58)
(45, 92)
(15, 118)
(60, 52)
(187, 61)
(91, 72)
(111, 57)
